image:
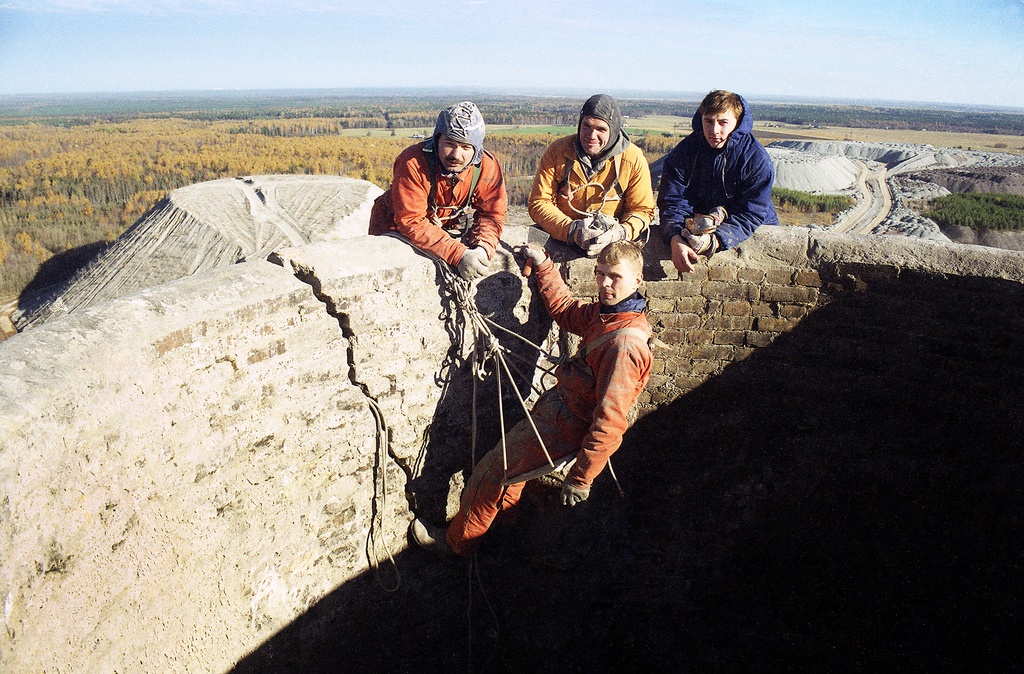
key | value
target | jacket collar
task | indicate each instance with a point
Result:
(634, 303)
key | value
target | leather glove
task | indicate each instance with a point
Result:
(616, 233)
(572, 495)
(474, 264)
(705, 224)
(534, 257)
(582, 230)
(703, 244)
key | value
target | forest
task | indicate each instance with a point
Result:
(68, 186)
(979, 210)
(405, 109)
(77, 170)
(804, 202)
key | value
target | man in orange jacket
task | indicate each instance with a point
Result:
(593, 187)
(435, 185)
(584, 415)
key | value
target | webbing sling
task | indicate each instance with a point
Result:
(581, 354)
(594, 343)
(570, 164)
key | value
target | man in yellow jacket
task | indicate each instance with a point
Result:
(594, 187)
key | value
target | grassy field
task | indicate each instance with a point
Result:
(766, 132)
(769, 132)
(504, 129)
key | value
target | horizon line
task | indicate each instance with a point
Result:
(510, 92)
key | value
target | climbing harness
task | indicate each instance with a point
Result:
(459, 211)
(569, 192)
(382, 215)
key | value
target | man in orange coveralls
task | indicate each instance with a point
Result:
(584, 414)
(435, 185)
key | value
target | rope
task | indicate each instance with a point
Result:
(486, 348)
(379, 503)
(547, 354)
(474, 572)
(604, 196)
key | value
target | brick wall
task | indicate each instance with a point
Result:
(743, 302)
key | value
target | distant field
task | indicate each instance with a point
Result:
(769, 132)
(556, 131)
(504, 129)
(661, 124)
(984, 142)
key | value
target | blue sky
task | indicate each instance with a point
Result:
(945, 51)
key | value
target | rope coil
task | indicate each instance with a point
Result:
(485, 348)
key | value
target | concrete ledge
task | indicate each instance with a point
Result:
(191, 462)
(196, 460)
(813, 248)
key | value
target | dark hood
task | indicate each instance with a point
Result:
(744, 128)
(605, 108)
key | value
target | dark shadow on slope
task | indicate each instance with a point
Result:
(55, 271)
(848, 499)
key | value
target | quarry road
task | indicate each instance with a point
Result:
(873, 206)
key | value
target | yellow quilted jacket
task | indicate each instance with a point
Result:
(555, 202)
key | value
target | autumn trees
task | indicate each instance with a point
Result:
(75, 176)
(61, 188)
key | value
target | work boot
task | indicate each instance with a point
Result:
(430, 538)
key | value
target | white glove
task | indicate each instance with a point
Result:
(594, 232)
(534, 258)
(474, 264)
(571, 495)
(582, 230)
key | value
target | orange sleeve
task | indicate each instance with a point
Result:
(568, 312)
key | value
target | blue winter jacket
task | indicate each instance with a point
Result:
(696, 178)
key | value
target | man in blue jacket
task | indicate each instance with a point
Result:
(716, 185)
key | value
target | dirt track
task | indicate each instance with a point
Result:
(873, 206)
